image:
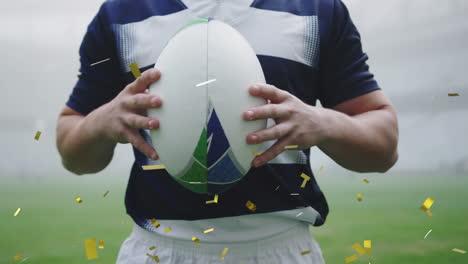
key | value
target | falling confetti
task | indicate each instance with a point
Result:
(196, 241)
(427, 204)
(99, 62)
(299, 214)
(208, 230)
(428, 232)
(359, 249)
(453, 94)
(91, 251)
(351, 258)
(78, 199)
(320, 170)
(291, 147)
(38, 135)
(17, 212)
(459, 251)
(368, 246)
(359, 197)
(105, 194)
(256, 153)
(277, 188)
(155, 223)
(205, 83)
(251, 206)
(366, 180)
(306, 179)
(101, 243)
(167, 230)
(135, 70)
(223, 254)
(429, 213)
(17, 257)
(151, 248)
(215, 200)
(155, 258)
(153, 167)
(305, 252)
(294, 194)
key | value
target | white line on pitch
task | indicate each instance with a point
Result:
(205, 83)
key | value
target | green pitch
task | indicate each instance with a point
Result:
(52, 226)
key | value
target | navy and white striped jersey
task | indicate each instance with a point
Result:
(309, 48)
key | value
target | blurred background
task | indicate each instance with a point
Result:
(418, 52)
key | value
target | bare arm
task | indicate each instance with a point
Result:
(86, 143)
(360, 134)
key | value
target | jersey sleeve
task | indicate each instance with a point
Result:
(100, 83)
(344, 73)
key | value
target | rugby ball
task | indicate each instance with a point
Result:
(206, 69)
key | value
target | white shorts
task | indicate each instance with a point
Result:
(283, 248)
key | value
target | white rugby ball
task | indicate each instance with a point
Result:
(206, 67)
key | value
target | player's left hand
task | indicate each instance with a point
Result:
(297, 123)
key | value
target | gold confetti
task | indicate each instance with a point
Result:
(196, 241)
(17, 212)
(359, 249)
(155, 258)
(256, 153)
(151, 248)
(427, 204)
(167, 230)
(105, 194)
(251, 206)
(291, 147)
(459, 251)
(155, 223)
(305, 252)
(38, 135)
(91, 251)
(359, 197)
(17, 257)
(101, 243)
(306, 179)
(351, 258)
(429, 213)
(368, 246)
(223, 254)
(366, 180)
(453, 94)
(320, 170)
(215, 200)
(208, 230)
(153, 167)
(78, 199)
(135, 70)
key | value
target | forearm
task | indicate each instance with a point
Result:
(81, 145)
(363, 143)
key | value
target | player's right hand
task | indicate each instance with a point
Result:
(126, 113)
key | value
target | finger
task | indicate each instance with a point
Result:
(275, 111)
(271, 153)
(139, 143)
(275, 132)
(268, 92)
(141, 83)
(140, 122)
(142, 101)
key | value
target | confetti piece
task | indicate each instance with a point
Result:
(429, 213)
(294, 194)
(105, 194)
(223, 254)
(453, 94)
(359, 249)
(320, 170)
(368, 246)
(305, 252)
(208, 230)
(256, 153)
(17, 212)
(101, 243)
(291, 147)
(135, 70)
(99, 62)
(215, 200)
(351, 258)
(90, 246)
(151, 248)
(155, 223)
(359, 197)
(427, 204)
(155, 258)
(277, 188)
(167, 230)
(17, 257)
(205, 83)
(299, 214)
(366, 180)
(38, 135)
(459, 251)
(306, 179)
(428, 232)
(78, 199)
(251, 206)
(153, 167)
(196, 241)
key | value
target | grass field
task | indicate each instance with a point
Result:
(52, 226)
